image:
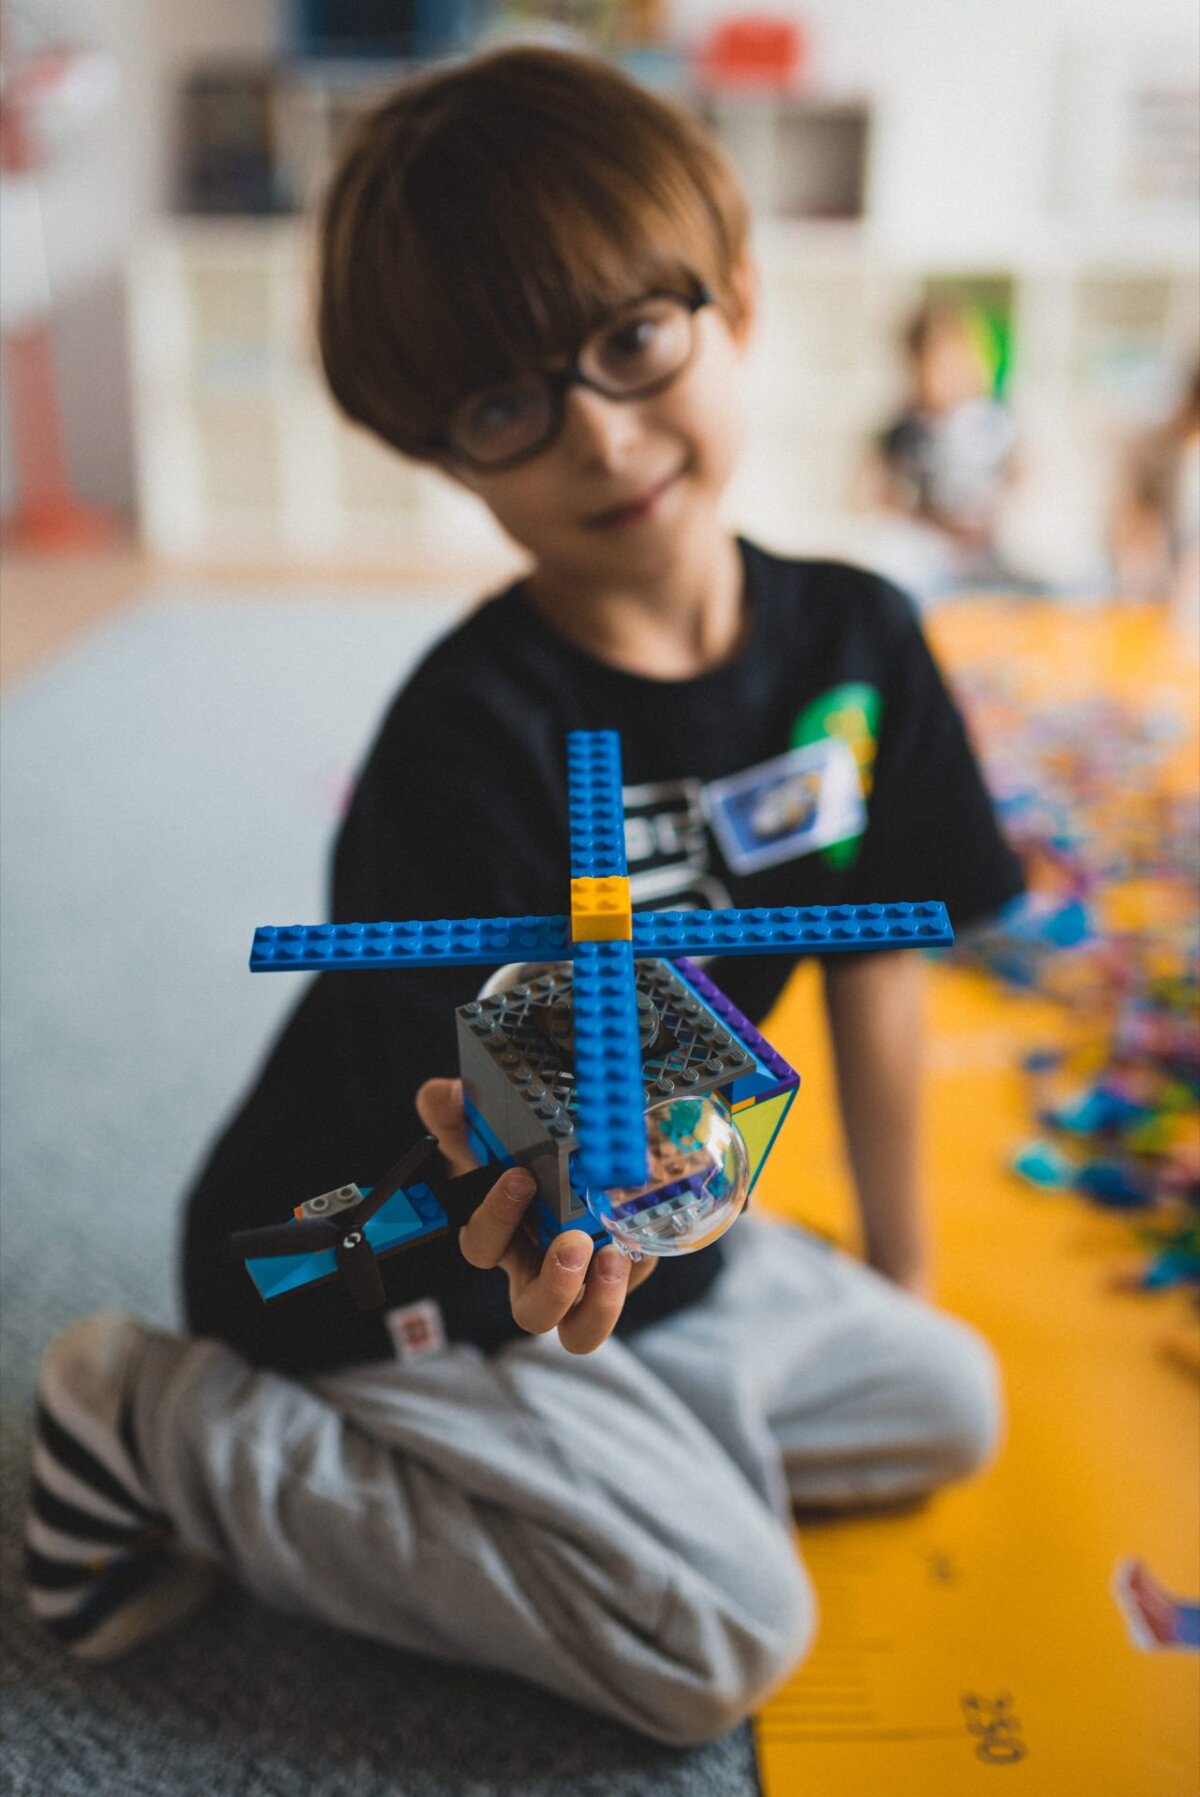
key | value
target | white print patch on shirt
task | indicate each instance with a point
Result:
(416, 1329)
(668, 848)
(788, 806)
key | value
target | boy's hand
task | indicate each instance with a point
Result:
(569, 1288)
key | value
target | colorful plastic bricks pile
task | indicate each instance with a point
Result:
(1111, 851)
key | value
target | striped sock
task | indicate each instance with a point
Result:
(102, 1566)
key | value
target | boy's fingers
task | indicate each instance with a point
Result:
(569, 1287)
(439, 1105)
(593, 1319)
(541, 1302)
(488, 1236)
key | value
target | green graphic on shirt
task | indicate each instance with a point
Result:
(851, 712)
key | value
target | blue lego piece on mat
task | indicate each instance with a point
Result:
(610, 1123)
(595, 805)
(802, 929)
(441, 942)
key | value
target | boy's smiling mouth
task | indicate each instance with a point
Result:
(634, 510)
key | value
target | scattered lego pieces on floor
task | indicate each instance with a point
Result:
(1111, 849)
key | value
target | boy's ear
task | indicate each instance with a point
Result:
(744, 311)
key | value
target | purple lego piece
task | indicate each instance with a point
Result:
(741, 1026)
(694, 1183)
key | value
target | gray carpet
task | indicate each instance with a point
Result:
(166, 785)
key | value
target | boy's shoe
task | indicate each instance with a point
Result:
(103, 1569)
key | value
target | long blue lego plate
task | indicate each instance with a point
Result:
(610, 1105)
(442, 942)
(410, 1213)
(595, 808)
(802, 929)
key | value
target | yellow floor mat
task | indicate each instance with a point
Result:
(976, 1644)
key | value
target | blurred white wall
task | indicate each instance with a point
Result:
(969, 98)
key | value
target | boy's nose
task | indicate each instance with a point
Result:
(597, 429)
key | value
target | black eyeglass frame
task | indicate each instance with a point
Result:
(559, 381)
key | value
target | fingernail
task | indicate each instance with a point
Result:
(610, 1266)
(519, 1187)
(572, 1256)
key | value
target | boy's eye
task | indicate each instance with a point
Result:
(491, 413)
(634, 338)
(649, 341)
(500, 421)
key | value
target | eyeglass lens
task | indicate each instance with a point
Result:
(639, 349)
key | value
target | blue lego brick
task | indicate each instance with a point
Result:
(798, 929)
(547, 1226)
(408, 1215)
(441, 942)
(595, 807)
(751, 1086)
(485, 1143)
(610, 1107)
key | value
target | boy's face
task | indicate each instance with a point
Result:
(948, 373)
(629, 485)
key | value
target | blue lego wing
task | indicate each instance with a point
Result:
(610, 1095)
(409, 1214)
(800, 929)
(442, 942)
(595, 807)
(471, 941)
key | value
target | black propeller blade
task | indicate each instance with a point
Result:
(306, 1235)
(402, 1173)
(360, 1271)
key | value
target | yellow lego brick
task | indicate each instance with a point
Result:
(601, 909)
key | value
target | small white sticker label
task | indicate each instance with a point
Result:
(787, 807)
(417, 1329)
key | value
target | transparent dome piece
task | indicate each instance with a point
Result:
(699, 1178)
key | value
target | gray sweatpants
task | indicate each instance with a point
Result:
(614, 1526)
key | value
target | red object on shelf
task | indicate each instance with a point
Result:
(754, 50)
(47, 517)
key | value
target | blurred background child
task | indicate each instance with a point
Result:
(948, 459)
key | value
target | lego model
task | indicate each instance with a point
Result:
(641, 1100)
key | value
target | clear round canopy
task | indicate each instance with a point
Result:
(699, 1178)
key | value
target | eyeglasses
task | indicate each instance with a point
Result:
(639, 351)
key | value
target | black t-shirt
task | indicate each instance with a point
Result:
(460, 810)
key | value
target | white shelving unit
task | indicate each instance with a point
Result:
(240, 449)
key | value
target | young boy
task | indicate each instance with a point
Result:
(950, 457)
(536, 275)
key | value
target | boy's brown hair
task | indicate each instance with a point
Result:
(490, 213)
